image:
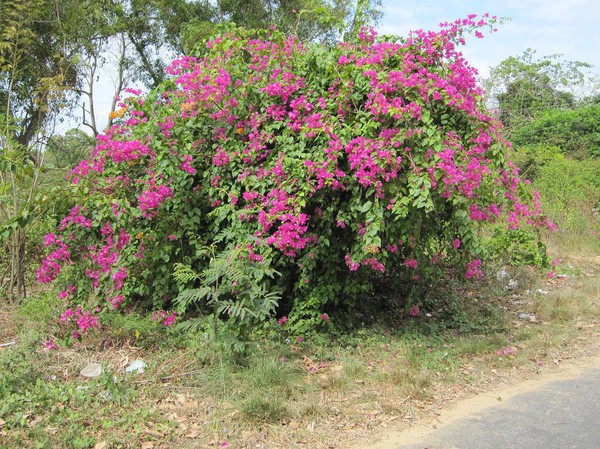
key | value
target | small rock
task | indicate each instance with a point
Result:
(527, 317)
(136, 366)
(541, 292)
(91, 370)
(502, 274)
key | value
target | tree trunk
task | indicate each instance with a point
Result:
(17, 285)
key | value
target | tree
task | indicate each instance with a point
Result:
(67, 150)
(311, 20)
(523, 86)
(36, 70)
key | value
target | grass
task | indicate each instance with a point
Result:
(326, 391)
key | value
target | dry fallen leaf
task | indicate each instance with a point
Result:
(101, 445)
(193, 434)
(147, 445)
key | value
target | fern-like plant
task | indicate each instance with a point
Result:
(229, 287)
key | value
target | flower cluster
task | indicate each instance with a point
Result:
(84, 320)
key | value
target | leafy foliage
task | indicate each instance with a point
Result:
(229, 285)
(68, 150)
(576, 132)
(571, 190)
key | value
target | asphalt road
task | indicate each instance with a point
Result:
(560, 414)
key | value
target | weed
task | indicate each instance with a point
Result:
(263, 409)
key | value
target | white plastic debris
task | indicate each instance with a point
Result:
(91, 370)
(513, 284)
(137, 366)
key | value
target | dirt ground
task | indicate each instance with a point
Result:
(451, 404)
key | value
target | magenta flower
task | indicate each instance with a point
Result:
(473, 270)
(411, 263)
(281, 321)
(510, 351)
(170, 319)
(50, 345)
(325, 317)
(415, 311)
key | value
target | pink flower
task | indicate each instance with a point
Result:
(351, 264)
(116, 301)
(170, 319)
(281, 321)
(411, 263)
(87, 321)
(49, 239)
(172, 237)
(415, 311)
(473, 270)
(66, 315)
(325, 317)
(299, 339)
(456, 244)
(506, 351)
(550, 274)
(50, 345)
(119, 278)
(150, 200)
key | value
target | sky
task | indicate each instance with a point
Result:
(567, 27)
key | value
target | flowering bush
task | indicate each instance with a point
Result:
(312, 162)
